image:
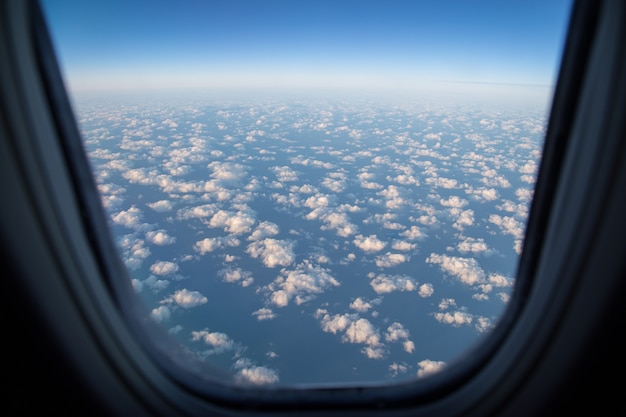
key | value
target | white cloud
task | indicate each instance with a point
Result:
(429, 367)
(227, 172)
(160, 314)
(455, 318)
(130, 218)
(244, 278)
(253, 374)
(454, 202)
(205, 210)
(383, 284)
(466, 270)
(300, 285)
(160, 237)
(187, 299)
(163, 268)
(355, 330)
(360, 305)
(263, 230)
(498, 280)
(472, 245)
(134, 251)
(273, 252)
(426, 290)
(219, 342)
(369, 244)
(155, 284)
(211, 244)
(264, 314)
(414, 233)
(389, 260)
(233, 222)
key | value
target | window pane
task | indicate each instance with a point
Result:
(322, 192)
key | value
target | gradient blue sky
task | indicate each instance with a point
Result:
(104, 45)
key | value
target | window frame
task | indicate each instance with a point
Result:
(91, 320)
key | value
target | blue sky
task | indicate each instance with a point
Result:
(361, 44)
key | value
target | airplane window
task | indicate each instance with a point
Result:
(311, 193)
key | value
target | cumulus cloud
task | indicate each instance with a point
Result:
(236, 275)
(133, 251)
(455, 318)
(429, 367)
(227, 172)
(160, 237)
(161, 314)
(218, 342)
(130, 218)
(466, 270)
(389, 259)
(211, 244)
(397, 333)
(360, 305)
(264, 314)
(354, 329)
(369, 244)
(454, 202)
(414, 233)
(248, 373)
(273, 252)
(300, 285)
(163, 268)
(187, 299)
(383, 283)
(472, 245)
(161, 206)
(263, 230)
(426, 290)
(233, 222)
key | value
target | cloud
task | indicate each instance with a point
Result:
(227, 172)
(187, 299)
(369, 244)
(160, 238)
(263, 230)
(273, 252)
(383, 284)
(360, 305)
(163, 268)
(219, 342)
(130, 218)
(233, 222)
(244, 278)
(414, 233)
(466, 218)
(160, 314)
(426, 290)
(204, 210)
(472, 245)
(285, 174)
(134, 251)
(389, 260)
(498, 280)
(264, 314)
(466, 270)
(429, 367)
(355, 330)
(301, 284)
(456, 318)
(211, 244)
(253, 374)
(454, 202)
(155, 284)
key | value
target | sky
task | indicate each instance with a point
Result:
(148, 45)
